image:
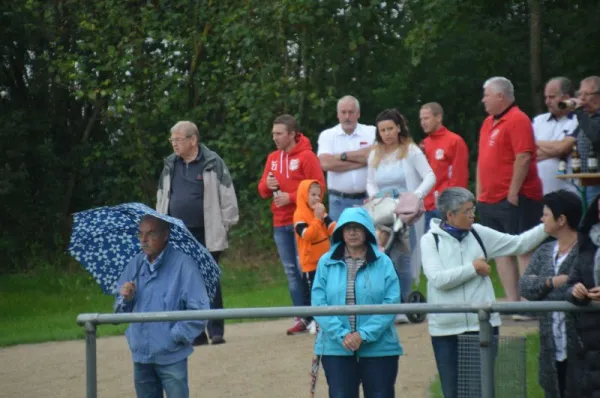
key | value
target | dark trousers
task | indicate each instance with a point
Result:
(561, 370)
(344, 375)
(307, 280)
(460, 366)
(216, 327)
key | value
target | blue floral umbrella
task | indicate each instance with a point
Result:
(104, 240)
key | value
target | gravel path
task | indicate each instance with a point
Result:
(259, 360)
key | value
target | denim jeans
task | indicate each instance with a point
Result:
(151, 379)
(286, 247)
(428, 216)
(460, 367)
(344, 375)
(402, 262)
(337, 204)
(590, 194)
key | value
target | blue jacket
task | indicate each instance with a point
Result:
(175, 285)
(376, 283)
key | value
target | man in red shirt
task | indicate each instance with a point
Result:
(509, 191)
(292, 162)
(447, 154)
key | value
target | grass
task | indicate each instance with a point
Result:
(508, 372)
(42, 306)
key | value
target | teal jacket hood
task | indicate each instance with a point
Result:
(355, 215)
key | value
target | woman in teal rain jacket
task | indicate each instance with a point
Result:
(364, 348)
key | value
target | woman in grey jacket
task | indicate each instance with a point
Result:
(546, 279)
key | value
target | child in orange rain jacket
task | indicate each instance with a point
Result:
(313, 230)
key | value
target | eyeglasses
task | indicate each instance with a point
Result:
(468, 211)
(178, 140)
(150, 235)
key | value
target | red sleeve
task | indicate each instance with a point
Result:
(263, 191)
(521, 136)
(312, 171)
(460, 165)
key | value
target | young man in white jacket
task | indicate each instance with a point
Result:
(454, 255)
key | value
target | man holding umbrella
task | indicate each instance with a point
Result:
(196, 187)
(161, 278)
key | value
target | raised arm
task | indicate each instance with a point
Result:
(499, 244)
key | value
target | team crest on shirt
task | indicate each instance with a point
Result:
(273, 165)
(294, 164)
(439, 154)
(493, 137)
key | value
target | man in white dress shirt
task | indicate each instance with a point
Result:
(343, 152)
(555, 134)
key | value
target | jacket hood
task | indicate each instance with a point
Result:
(434, 227)
(302, 194)
(356, 215)
(303, 144)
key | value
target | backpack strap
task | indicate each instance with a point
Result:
(476, 235)
(436, 237)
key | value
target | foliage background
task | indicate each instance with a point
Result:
(89, 90)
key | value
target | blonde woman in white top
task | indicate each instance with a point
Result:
(396, 164)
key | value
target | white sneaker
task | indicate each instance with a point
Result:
(400, 319)
(312, 327)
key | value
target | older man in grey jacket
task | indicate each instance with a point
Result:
(196, 187)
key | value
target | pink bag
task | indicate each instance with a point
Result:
(409, 208)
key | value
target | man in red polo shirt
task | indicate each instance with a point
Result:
(447, 154)
(509, 191)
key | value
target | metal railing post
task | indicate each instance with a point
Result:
(486, 352)
(91, 383)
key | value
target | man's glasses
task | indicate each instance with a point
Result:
(177, 140)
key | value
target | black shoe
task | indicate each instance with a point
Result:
(217, 340)
(201, 340)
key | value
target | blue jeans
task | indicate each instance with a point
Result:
(402, 262)
(151, 379)
(460, 367)
(337, 205)
(345, 373)
(286, 247)
(590, 194)
(428, 216)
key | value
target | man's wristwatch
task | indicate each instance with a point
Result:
(343, 157)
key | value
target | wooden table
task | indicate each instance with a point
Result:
(585, 180)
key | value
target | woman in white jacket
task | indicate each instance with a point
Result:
(455, 255)
(397, 165)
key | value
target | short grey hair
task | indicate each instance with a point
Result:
(187, 128)
(161, 225)
(452, 199)
(595, 80)
(348, 98)
(501, 85)
(564, 85)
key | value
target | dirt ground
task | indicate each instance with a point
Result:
(259, 360)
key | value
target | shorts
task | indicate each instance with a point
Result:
(504, 217)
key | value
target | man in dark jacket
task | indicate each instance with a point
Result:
(196, 187)
(587, 108)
